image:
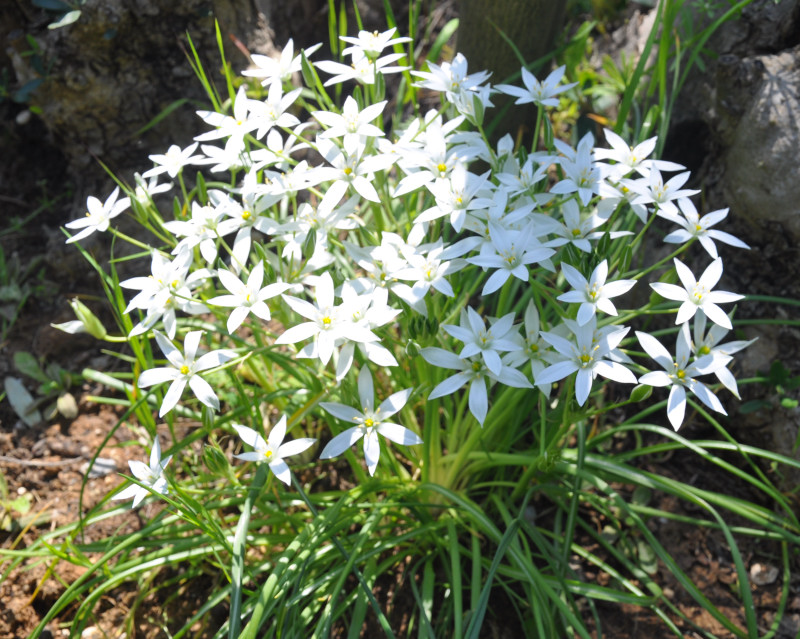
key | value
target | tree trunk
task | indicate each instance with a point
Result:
(532, 25)
(123, 62)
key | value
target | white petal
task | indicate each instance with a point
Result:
(442, 358)
(281, 471)
(685, 275)
(250, 437)
(717, 315)
(394, 403)
(366, 390)
(669, 291)
(655, 349)
(399, 434)
(615, 371)
(556, 372)
(478, 400)
(154, 376)
(585, 313)
(676, 406)
(450, 385)
(278, 433)
(202, 389)
(190, 344)
(655, 378)
(298, 333)
(341, 442)
(686, 312)
(235, 319)
(343, 412)
(583, 385)
(172, 396)
(711, 275)
(296, 446)
(707, 397)
(372, 451)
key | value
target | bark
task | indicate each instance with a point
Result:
(123, 62)
(532, 25)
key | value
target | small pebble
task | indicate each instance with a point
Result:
(102, 466)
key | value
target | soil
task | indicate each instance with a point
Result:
(46, 464)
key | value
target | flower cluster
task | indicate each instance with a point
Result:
(346, 233)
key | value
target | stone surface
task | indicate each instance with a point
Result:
(123, 62)
(761, 171)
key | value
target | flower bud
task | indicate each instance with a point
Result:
(215, 461)
(89, 320)
(641, 392)
(412, 348)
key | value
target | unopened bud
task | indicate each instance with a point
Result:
(90, 321)
(412, 348)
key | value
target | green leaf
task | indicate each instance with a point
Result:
(753, 405)
(332, 38)
(28, 365)
(167, 110)
(21, 504)
(202, 194)
(22, 401)
(444, 35)
(52, 5)
(66, 19)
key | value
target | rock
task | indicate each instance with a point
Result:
(102, 466)
(759, 106)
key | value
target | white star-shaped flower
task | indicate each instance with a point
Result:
(184, 370)
(98, 215)
(699, 227)
(594, 293)
(152, 476)
(680, 374)
(246, 298)
(370, 422)
(273, 450)
(697, 294)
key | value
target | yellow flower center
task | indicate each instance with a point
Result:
(576, 232)
(184, 370)
(681, 374)
(369, 423)
(441, 167)
(585, 358)
(268, 454)
(476, 366)
(704, 350)
(326, 320)
(348, 170)
(246, 215)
